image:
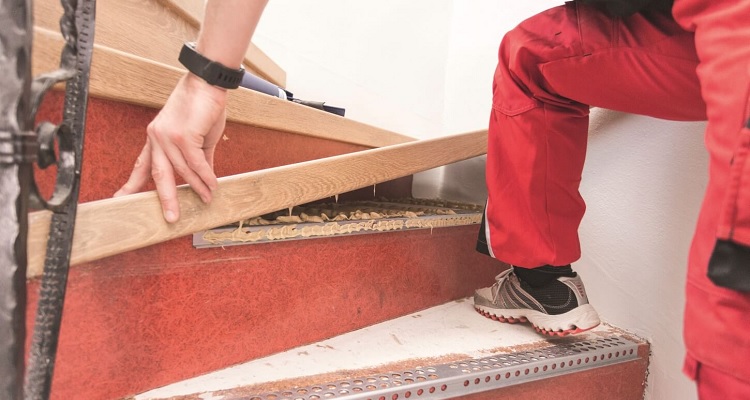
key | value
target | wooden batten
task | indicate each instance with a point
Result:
(152, 29)
(118, 76)
(113, 226)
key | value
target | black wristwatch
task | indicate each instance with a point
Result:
(211, 71)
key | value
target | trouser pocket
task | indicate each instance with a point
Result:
(729, 265)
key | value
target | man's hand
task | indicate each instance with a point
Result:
(181, 139)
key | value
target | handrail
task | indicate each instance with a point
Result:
(116, 75)
(113, 226)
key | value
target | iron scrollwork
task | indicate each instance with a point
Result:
(20, 148)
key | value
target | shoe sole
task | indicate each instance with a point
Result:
(580, 319)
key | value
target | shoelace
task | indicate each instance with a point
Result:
(499, 279)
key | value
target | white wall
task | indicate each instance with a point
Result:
(424, 68)
(643, 183)
(383, 61)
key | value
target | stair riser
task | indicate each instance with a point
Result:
(168, 312)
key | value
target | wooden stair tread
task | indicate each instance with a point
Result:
(153, 29)
(117, 75)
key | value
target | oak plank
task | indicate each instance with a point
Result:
(119, 76)
(149, 29)
(113, 226)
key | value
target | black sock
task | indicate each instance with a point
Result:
(537, 277)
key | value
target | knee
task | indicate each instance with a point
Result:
(548, 36)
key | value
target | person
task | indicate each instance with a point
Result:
(636, 57)
(626, 55)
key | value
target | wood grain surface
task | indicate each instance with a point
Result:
(118, 76)
(152, 29)
(112, 226)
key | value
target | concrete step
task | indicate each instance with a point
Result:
(446, 351)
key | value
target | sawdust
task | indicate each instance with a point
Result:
(339, 219)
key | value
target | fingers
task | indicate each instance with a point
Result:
(154, 163)
(191, 155)
(163, 175)
(181, 141)
(188, 161)
(141, 173)
(209, 146)
(200, 166)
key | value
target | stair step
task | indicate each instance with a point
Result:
(168, 312)
(446, 351)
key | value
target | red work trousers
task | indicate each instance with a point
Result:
(557, 64)
(717, 319)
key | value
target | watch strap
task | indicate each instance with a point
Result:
(212, 72)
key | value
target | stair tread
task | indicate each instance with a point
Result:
(443, 334)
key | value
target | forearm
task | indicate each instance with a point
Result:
(227, 28)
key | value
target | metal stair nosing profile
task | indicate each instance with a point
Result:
(444, 352)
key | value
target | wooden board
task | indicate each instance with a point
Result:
(118, 76)
(151, 29)
(113, 226)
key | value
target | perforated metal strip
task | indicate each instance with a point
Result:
(451, 380)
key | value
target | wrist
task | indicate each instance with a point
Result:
(194, 84)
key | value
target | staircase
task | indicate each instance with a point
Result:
(167, 312)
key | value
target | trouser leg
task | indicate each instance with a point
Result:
(716, 319)
(551, 68)
(714, 384)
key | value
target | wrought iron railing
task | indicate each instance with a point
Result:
(21, 146)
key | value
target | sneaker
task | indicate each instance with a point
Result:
(557, 309)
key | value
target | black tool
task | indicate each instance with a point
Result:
(261, 85)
